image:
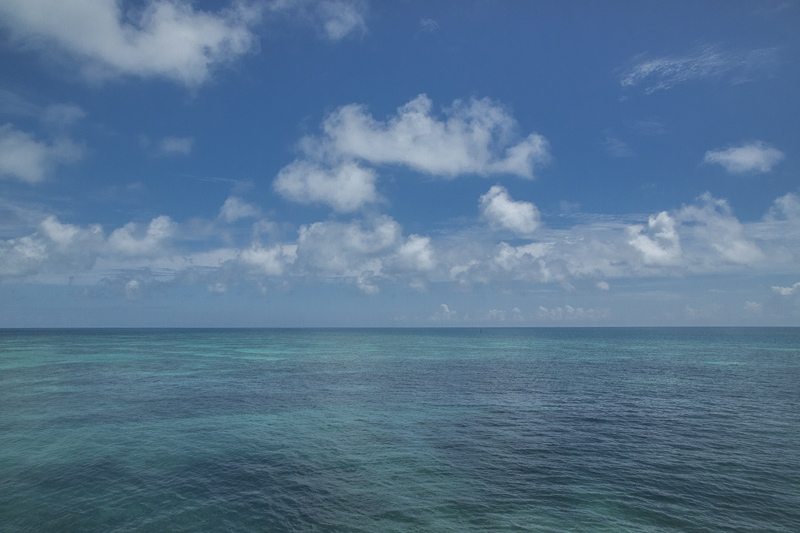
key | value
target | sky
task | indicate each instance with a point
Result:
(347, 163)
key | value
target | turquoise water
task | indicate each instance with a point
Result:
(400, 430)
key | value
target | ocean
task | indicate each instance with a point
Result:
(640, 429)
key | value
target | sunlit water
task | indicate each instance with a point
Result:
(400, 430)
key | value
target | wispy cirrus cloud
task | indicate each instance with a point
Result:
(756, 156)
(54, 116)
(336, 19)
(428, 25)
(176, 145)
(616, 147)
(704, 61)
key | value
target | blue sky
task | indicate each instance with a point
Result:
(350, 163)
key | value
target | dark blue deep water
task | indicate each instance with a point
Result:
(400, 430)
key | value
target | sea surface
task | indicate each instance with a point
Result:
(642, 429)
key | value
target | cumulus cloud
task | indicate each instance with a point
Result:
(705, 61)
(347, 248)
(703, 237)
(68, 239)
(165, 38)
(22, 256)
(503, 212)
(136, 240)
(787, 291)
(345, 187)
(786, 207)
(367, 252)
(711, 224)
(416, 254)
(496, 314)
(55, 247)
(61, 249)
(444, 313)
(176, 145)
(756, 156)
(366, 283)
(530, 262)
(269, 261)
(24, 158)
(700, 238)
(473, 137)
(363, 252)
(568, 312)
(235, 208)
(659, 243)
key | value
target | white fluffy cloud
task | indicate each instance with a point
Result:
(416, 254)
(23, 157)
(473, 137)
(67, 236)
(345, 187)
(269, 261)
(503, 212)
(55, 246)
(367, 252)
(787, 207)
(701, 238)
(787, 291)
(713, 228)
(444, 313)
(22, 256)
(235, 208)
(527, 263)
(752, 157)
(166, 38)
(135, 240)
(347, 249)
(659, 243)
